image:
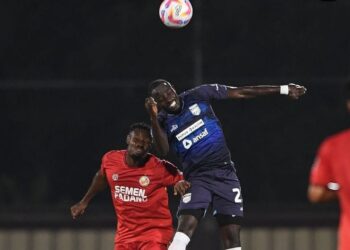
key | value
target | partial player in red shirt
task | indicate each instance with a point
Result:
(330, 178)
(137, 181)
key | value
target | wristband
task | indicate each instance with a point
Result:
(284, 89)
(333, 186)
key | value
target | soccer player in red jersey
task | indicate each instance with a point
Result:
(137, 181)
(330, 178)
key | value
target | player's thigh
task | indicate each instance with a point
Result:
(227, 196)
(198, 196)
(148, 245)
(228, 207)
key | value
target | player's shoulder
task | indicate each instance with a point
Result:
(339, 137)
(203, 89)
(158, 162)
(114, 154)
(343, 135)
(154, 160)
(198, 88)
(334, 142)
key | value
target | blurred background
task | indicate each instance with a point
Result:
(74, 76)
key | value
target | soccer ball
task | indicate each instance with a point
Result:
(175, 13)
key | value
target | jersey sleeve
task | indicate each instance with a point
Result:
(171, 175)
(211, 92)
(322, 172)
(103, 164)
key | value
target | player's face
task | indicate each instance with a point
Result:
(166, 97)
(139, 143)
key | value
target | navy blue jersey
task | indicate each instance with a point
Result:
(195, 134)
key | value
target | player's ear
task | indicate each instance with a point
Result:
(151, 145)
(128, 139)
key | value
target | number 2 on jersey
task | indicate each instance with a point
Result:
(238, 198)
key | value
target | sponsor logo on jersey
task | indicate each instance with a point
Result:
(144, 181)
(200, 136)
(188, 143)
(114, 177)
(186, 198)
(195, 109)
(173, 128)
(189, 130)
(130, 194)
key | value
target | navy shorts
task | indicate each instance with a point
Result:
(217, 186)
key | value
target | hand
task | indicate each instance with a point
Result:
(151, 107)
(78, 209)
(295, 90)
(181, 187)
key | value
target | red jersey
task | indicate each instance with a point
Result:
(333, 165)
(140, 197)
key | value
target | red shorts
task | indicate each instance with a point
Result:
(140, 245)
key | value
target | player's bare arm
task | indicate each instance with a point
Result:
(181, 187)
(160, 138)
(318, 194)
(294, 91)
(99, 183)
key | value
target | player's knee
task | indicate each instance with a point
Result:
(230, 230)
(188, 220)
(230, 235)
(224, 220)
(187, 224)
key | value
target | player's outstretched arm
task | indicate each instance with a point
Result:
(160, 138)
(99, 183)
(294, 91)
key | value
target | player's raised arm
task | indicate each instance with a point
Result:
(99, 183)
(292, 90)
(159, 136)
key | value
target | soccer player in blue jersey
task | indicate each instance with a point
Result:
(188, 125)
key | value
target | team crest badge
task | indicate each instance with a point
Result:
(195, 109)
(114, 177)
(186, 198)
(144, 181)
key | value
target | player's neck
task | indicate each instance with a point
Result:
(135, 161)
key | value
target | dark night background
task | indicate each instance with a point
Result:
(74, 76)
